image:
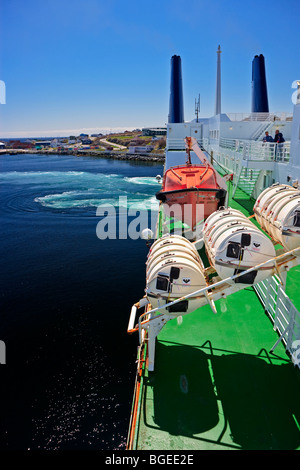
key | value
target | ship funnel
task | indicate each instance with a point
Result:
(259, 86)
(176, 93)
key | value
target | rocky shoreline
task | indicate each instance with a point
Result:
(92, 153)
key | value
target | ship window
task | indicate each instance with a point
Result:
(297, 219)
(179, 307)
(246, 239)
(233, 250)
(246, 278)
(174, 273)
(162, 283)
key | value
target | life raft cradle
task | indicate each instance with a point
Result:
(150, 323)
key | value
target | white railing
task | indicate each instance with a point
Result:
(268, 151)
(208, 295)
(232, 144)
(179, 144)
(280, 116)
(251, 150)
(283, 314)
(258, 151)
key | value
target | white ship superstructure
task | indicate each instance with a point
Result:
(235, 142)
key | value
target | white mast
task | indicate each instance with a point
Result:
(218, 87)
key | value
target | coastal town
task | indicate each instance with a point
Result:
(143, 144)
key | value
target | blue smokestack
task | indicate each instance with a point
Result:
(259, 86)
(176, 93)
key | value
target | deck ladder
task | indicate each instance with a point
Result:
(260, 132)
(246, 180)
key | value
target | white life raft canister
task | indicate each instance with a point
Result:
(173, 270)
(234, 244)
(277, 210)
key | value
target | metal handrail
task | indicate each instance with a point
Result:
(280, 116)
(217, 284)
(258, 150)
(179, 143)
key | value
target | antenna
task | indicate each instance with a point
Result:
(197, 107)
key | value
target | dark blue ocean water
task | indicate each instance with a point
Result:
(65, 301)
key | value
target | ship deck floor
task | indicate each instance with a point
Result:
(217, 386)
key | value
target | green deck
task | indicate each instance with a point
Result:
(215, 384)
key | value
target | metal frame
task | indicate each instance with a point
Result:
(153, 320)
(283, 314)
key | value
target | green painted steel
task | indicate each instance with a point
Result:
(215, 385)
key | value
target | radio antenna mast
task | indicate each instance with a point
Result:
(197, 107)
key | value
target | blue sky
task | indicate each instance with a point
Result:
(74, 66)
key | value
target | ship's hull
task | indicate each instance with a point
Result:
(208, 377)
(216, 386)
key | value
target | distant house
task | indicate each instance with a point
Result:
(97, 135)
(2, 145)
(86, 141)
(140, 149)
(43, 143)
(154, 131)
(55, 143)
(17, 144)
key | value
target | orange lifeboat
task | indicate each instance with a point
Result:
(197, 189)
